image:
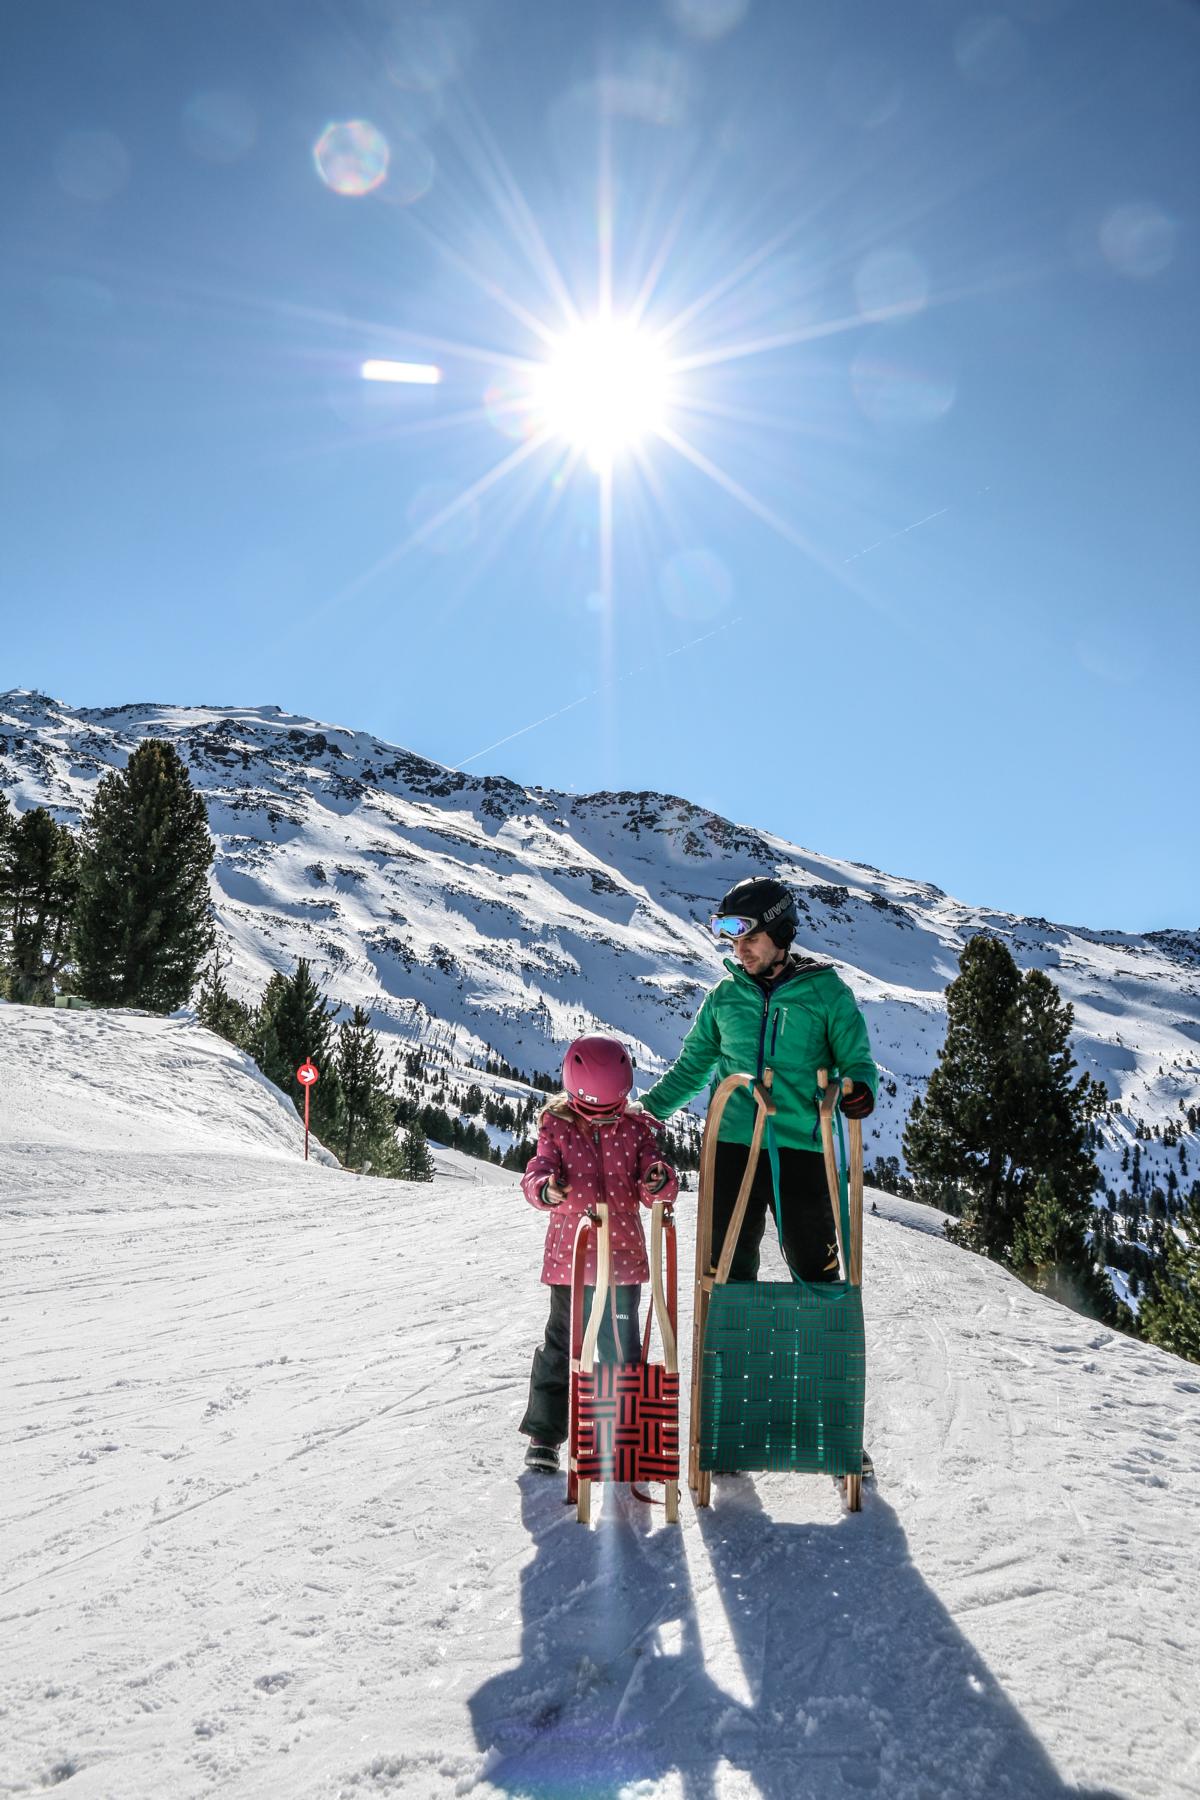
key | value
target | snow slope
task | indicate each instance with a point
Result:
(264, 1535)
(472, 914)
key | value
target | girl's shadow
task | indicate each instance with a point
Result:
(612, 1679)
(851, 1676)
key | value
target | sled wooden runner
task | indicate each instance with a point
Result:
(624, 1416)
(850, 1254)
(777, 1368)
(700, 1480)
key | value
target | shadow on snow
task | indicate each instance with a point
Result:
(858, 1679)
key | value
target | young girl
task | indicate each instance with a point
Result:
(590, 1148)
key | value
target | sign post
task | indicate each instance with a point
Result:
(307, 1075)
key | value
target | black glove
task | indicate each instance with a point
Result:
(655, 1178)
(859, 1103)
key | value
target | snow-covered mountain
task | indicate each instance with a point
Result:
(264, 1536)
(476, 915)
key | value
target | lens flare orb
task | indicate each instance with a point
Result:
(92, 165)
(1138, 239)
(411, 168)
(509, 411)
(695, 585)
(423, 53)
(707, 19)
(890, 284)
(603, 390)
(219, 126)
(443, 520)
(352, 158)
(896, 391)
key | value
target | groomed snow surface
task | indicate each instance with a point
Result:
(264, 1532)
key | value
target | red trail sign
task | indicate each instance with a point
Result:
(307, 1075)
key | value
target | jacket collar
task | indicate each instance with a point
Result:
(797, 968)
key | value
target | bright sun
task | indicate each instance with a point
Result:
(603, 389)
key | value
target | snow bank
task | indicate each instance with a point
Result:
(114, 1083)
(264, 1533)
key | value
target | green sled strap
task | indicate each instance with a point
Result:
(773, 1159)
(843, 1189)
(843, 1186)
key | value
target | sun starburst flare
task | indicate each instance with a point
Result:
(620, 389)
(603, 390)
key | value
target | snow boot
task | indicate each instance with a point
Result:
(542, 1458)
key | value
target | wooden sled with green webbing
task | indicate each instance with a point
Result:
(778, 1367)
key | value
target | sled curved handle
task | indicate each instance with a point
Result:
(578, 1257)
(850, 1254)
(765, 1109)
(587, 1356)
(663, 1301)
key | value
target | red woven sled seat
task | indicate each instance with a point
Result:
(628, 1423)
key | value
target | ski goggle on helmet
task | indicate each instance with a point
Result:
(758, 903)
(598, 1076)
(732, 925)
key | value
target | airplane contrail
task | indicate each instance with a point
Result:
(603, 688)
(680, 648)
(904, 529)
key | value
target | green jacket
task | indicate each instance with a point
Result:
(808, 1021)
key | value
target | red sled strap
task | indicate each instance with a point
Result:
(628, 1423)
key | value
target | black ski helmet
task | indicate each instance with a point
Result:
(768, 903)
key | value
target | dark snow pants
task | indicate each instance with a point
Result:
(546, 1416)
(809, 1237)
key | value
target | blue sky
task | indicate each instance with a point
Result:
(908, 571)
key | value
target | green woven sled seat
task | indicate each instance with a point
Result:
(783, 1377)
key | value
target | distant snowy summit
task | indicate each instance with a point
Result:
(481, 917)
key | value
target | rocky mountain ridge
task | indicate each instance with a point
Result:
(479, 917)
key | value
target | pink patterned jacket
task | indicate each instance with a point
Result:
(597, 1162)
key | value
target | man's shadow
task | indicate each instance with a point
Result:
(851, 1676)
(860, 1679)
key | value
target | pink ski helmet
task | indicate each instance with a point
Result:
(597, 1075)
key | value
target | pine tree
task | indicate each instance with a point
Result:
(368, 1112)
(960, 1141)
(1170, 1313)
(416, 1159)
(264, 1039)
(295, 1023)
(518, 1153)
(219, 1011)
(143, 923)
(39, 873)
(1051, 1253)
(1054, 1153)
(359, 1066)
(1006, 1126)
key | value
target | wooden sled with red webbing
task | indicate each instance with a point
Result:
(624, 1416)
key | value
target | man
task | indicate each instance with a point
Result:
(792, 1014)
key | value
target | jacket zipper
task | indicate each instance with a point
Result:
(600, 1163)
(800, 975)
